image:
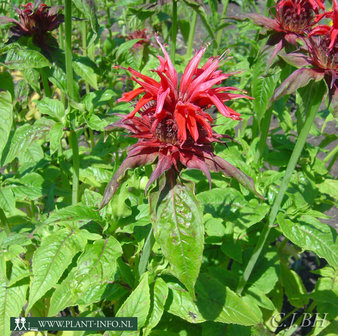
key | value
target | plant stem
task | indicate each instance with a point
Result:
(68, 48)
(315, 94)
(173, 32)
(265, 126)
(70, 93)
(76, 167)
(191, 34)
(146, 252)
(45, 84)
(219, 33)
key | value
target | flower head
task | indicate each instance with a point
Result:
(293, 19)
(36, 22)
(174, 129)
(139, 34)
(330, 32)
(186, 102)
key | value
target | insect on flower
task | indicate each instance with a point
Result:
(35, 22)
(174, 127)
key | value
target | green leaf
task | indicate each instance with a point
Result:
(95, 267)
(137, 304)
(6, 118)
(263, 87)
(23, 137)
(86, 69)
(32, 154)
(6, 82)
(29, 186)
(55, 136)
(89, 10)
(159, 297)
(214, 303)
(293, 285)
(125, 47)
(12, 299)
(52, 107)
(198, 8)
(72, 213)
(18, 58)
(178, 229)
(7, 200)
(330, 187)
(51, 259)
(310, 234)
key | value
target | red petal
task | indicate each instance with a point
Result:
(128, 96)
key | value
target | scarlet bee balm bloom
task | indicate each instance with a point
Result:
(174, 127)
(188, 102)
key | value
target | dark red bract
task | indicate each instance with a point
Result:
(36, 22)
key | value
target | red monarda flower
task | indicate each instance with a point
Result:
(174, 129)
(293, 19)
(139, 34)
(185, 103)
(35, 22)
(330, 31)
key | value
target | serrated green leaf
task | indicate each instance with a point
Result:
(71, 213)
(84, 68)
(330, 187)
(31, 154)
(12, 299)
(23, 137)
(214, 303)
(310, 234)
(52, 107)
(159, 297)
(137, 303)
(7, 200)
(293, 285)
(178, 229)
(95, 268)
(6, 118)
(263, 87)
(28, 186)
(51, 259)
(125, 47)
(22, 59)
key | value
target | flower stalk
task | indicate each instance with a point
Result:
(70, 92)
(315, 95)
(173, 31)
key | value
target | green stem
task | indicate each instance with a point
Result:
(331, 154)
(4, 222)
(84, 45)
(265, 126)
(68, 48)
(191, 34)
(76, 166)
(44, 79)
(219, 33)
(148, 245)
(173, 32)
(70, 92)
(315, 94)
